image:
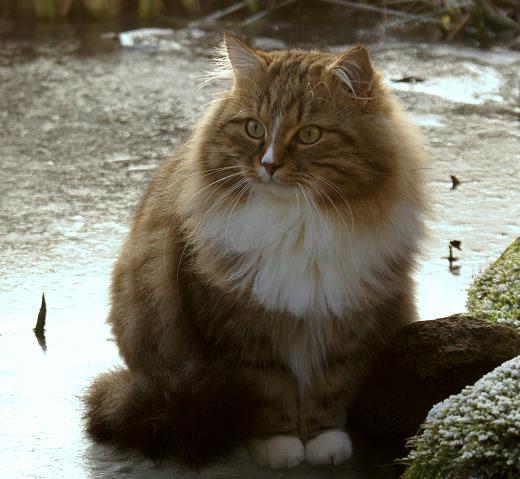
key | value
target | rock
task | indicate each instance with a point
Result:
(427, 362)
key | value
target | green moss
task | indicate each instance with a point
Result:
(495, 294)
(474, 434)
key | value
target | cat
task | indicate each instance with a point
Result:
(267, 264)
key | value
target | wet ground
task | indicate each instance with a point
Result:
(85, 118)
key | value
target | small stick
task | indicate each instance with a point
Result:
(39, 329)
(222, 13)
(65, 7)
(454, 182)
(264, 13)
(456, 244)
(147, 9)
(500, 19)
(453, 33)
(382, 10)
(431, 17)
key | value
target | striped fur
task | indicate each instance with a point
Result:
(289, 262)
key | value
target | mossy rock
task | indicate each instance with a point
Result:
(474, 434)
(495, 294)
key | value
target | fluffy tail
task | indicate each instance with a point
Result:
(195, 416)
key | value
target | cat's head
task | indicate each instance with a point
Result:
(298, 120)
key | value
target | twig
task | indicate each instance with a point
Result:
(478, 21)
(381, 10)
(264, 13)
(454, 268)
(39, 329)
(511, 3)
(65, 7)
(147, 9)
(454, 182)
(222, 13)
(497, 17)
(428, 17)
(453, 33)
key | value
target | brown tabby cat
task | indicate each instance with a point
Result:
(267, 264)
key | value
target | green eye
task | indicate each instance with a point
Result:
(255, 129)
(309, 134)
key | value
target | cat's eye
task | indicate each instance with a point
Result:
(255, 129)
(309, 134)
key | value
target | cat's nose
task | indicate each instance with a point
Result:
(268, 161)
(270, 167)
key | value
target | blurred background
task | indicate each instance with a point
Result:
(485, 21)
(95, 94)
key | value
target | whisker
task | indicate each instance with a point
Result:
(213, 207)
(209, 172)
(175, 216)
(243, 188)
(297, 212)
(310, 215)
(341, 195)
(192, 238)
(323, 220)
(349, 238)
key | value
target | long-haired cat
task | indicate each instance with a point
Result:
(267, 264)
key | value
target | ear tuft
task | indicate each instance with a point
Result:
(244, 60)
(355, 70)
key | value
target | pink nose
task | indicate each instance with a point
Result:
(270, 167)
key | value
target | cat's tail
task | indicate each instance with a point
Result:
(195, 416)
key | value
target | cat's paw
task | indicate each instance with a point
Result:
(278, 451)
(329, 447)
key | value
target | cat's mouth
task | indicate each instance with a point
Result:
(275, 179)
(273, 188)
(267, 176)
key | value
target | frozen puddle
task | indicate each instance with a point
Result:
(165, 39)
(156, 38)
(472, 84)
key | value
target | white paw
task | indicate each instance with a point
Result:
(329, 447)
(278, 451)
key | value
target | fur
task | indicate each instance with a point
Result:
(278, 264)
(297, 262)
(192, 414)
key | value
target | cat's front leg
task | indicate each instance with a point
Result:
(332, 446)
(329, 447)
(323, 417)
(277, 444)
(278, 451)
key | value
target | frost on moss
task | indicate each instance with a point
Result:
(495, 294)
(474, 434)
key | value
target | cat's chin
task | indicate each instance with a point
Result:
(274, 190)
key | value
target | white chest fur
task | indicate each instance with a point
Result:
(301, 262)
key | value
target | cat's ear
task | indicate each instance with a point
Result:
(243, 59)
(355, 70)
